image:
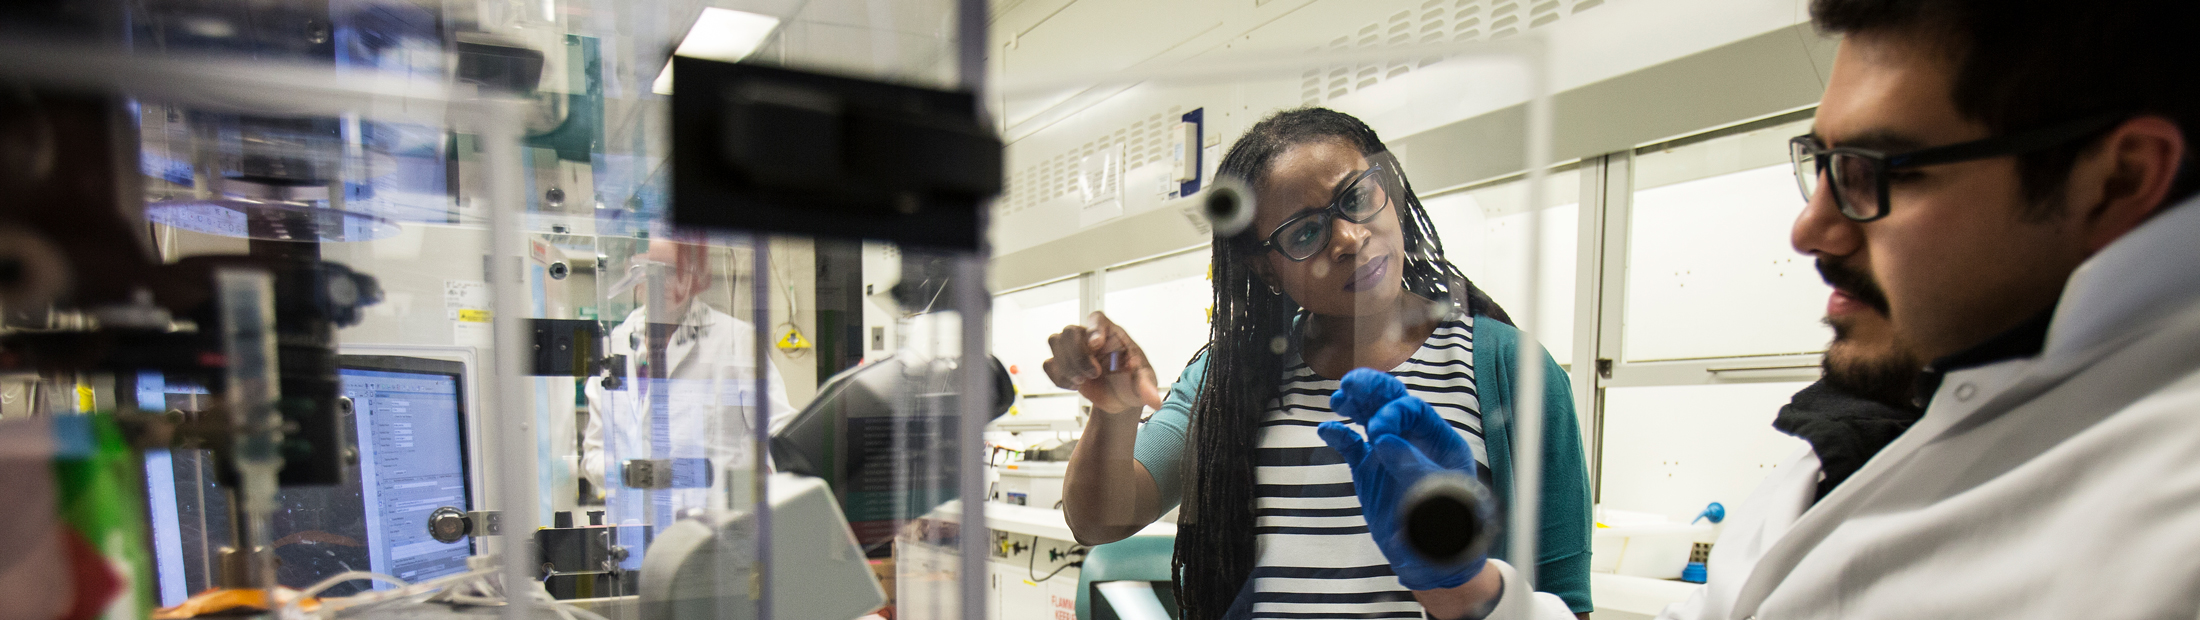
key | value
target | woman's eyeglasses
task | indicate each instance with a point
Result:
(1305, 234)
(1859, 177)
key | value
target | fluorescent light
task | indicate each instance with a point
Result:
(719, 34)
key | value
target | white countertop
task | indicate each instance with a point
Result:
(1640, 595)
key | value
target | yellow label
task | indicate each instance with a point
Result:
(473, 316)
(793, 340)
(84, 400)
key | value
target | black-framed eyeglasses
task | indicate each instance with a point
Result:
(1859, 176)
(1305, 234)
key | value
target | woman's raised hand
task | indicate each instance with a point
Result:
(1104, 365)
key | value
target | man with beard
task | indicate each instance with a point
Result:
(1864, 401)
(1867, 397)
(2003, 190)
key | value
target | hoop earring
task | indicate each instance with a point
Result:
(1272, 290)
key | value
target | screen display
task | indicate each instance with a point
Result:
(412, 461)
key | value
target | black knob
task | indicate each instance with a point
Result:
(449, 525)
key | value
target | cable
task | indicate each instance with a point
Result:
(334, 607)
(322, 586)
(486, 589)
(1031, 565)
(1059, 570)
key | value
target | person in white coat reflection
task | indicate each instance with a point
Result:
(2005, 190)
(698, 407)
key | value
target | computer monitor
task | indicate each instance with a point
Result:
(410, 418)
(408, 423)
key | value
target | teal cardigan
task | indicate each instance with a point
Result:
(1562, 547)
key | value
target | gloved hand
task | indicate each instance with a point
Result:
(1409, 442)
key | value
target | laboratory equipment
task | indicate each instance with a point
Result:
(406, 422)
(1032, 483)
(1643, 544)
(860, 430)
(695, 568)
(765, 148)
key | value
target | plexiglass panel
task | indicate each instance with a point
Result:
(525, 338)
(1710, 272)
(528, 387)
(1166, 301)
(1485, 232)
(1022, 320)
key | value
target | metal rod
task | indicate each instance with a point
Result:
(1528, 375)
(1761, 368)
(974, 374)
(226, 83)
(974, 380)
(515, 448)
(760, 430)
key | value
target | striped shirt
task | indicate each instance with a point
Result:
(1315, 559)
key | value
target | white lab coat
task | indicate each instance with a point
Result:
(2060, 486)
(706, 398)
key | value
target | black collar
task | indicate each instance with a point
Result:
(2024, 340)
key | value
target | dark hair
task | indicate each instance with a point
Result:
(2022, 64)
(1252, 336)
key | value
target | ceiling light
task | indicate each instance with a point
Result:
(719, 34)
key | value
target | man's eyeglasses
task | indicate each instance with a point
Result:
(1305, 234)
(1859, 176)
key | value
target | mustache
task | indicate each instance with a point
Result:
(1856, 284)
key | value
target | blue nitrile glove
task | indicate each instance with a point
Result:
(1363, 392)
(1410, 443)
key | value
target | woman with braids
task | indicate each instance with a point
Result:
(1286, 511)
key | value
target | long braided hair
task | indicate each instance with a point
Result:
(1252, 337)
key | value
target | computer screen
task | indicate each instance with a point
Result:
(412, 459)
(408, 423)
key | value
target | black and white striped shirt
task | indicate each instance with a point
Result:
(1315, 559)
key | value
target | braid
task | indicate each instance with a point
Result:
(1251, 338)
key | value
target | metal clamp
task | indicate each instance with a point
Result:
(681, 473)
(448, 524)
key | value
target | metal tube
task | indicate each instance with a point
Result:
(1528, 373)
(210, 82)
(515, 423)
(760, 430)
(974, 371)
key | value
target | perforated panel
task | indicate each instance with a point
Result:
(1145, 142)
(1434, 21)
(1427, 22)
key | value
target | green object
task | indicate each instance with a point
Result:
(582, 132)
(1563, 545)
(1138, 558)
(100, 497)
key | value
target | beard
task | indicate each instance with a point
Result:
(1888, 377)
(1885, 373)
